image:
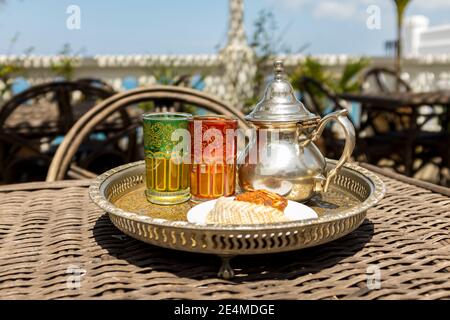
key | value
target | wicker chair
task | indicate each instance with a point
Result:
(89, 123)
(32, 121)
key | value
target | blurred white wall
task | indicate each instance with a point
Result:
(422, 39)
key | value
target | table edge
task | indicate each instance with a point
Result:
(400, 177)
(29, 186)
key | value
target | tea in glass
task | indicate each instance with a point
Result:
(213, 156)
(167, 174)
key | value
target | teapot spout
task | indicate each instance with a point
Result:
(319, 181)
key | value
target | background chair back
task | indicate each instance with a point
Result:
(321, 100)
(383, 80)
(68, 151)
(33, 122)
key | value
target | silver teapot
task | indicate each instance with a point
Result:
(281, 155)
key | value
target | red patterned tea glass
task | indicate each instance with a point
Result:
(213, 160)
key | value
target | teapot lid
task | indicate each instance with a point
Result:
(279, 103)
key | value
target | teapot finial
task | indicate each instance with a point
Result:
(279, 103)
(278, 69)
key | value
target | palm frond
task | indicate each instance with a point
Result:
(348, 81)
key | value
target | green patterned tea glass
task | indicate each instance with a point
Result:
(167, 176)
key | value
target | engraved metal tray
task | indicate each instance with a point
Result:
(120, 192)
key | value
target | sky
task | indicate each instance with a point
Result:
(200, 26)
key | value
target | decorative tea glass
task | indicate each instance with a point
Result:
(213, 156)
(167, 174)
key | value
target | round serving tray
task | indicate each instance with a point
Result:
(120, 192)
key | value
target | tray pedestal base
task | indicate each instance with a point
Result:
(226, 271)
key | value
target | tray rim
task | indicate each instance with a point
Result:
(97, 187)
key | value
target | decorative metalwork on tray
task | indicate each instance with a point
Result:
(341, 210)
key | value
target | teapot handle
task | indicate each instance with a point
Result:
(350, 140)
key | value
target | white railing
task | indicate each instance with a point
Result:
(429, 72)
(229, 73)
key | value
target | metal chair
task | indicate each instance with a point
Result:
(384, 80)
(97, 83)
(89, 123)
(394, 133)
(31, 123)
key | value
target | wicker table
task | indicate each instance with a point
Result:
(55, 243)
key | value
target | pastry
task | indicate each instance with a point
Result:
(264, 197)
(255, 207)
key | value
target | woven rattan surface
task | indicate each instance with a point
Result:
(51, 236)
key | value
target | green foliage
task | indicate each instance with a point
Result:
(349, 80)
(265, 43)
(314, 69)
(65, 67)
(7, 73)
(11, 70)
(400, 6)
(147, 106)
(263, 40)
(166, 75)
(346, 81)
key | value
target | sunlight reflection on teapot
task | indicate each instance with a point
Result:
(287, 160)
